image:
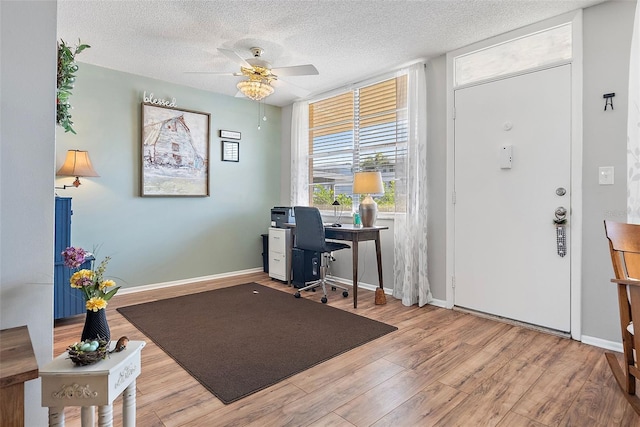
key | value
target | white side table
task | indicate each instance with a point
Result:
(64, 384)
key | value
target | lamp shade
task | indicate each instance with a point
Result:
(77, 164)
(368, 183)
(255, 89)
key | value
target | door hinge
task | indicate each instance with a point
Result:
(454, 113)
(453, 281)
(453, 197)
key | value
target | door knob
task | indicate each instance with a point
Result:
(561, 215)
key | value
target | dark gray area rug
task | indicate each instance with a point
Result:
(241, 339)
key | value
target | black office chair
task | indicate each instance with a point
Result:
(310, 237)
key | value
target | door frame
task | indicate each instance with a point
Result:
(575, 249)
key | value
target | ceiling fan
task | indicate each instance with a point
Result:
(260, 75)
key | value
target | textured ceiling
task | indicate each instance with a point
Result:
(347, 41)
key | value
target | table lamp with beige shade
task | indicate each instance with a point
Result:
(78, 164)
(368, 183)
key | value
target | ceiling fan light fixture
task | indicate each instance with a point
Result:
(255, 89)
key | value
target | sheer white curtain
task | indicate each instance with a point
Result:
(633, 126)
(300, 154)
(410, 282)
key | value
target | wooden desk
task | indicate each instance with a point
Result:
(64, 384)
(356, 234)
(18, 365)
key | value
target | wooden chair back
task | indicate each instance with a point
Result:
(624, 245)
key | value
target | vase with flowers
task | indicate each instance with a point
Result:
(96, 290)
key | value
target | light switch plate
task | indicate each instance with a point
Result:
(605, 175)
(506, 156)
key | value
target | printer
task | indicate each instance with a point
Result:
(281, 215)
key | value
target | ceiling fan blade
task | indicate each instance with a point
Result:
(296, 70)
(218, 73)
(235, 57)
(296, 90)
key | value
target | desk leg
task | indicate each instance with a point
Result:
(129, 405)
(56, 416)
(105, 416)
(380, 297)
(354, 251)
(379, 258)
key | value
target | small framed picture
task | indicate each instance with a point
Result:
(230, 151)
(229, 134)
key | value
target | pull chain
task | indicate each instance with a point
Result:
(264, 114)
(258, 115)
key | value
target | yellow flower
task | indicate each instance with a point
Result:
(107, 284)
(96, 304)
(81, 279)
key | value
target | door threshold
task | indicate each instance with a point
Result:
(506, 320)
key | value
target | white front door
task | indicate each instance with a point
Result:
(506, 260)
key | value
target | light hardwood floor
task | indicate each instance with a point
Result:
(441, 368)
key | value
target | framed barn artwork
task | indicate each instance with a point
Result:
(175, 152)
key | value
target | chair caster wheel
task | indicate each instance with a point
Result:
(345, 294)
(324, 300)
(333, 288)
(297, 295)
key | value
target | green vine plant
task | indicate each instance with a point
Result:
(66, 77)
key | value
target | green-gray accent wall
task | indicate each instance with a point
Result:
(163, 239)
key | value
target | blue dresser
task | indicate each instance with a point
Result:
(67, 301)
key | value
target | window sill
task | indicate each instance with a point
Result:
(347, 217)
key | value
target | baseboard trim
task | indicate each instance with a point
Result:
(192, 280)
(189, 281)
(387, 291)
(598, 342)
(438, 303)
(361, 285)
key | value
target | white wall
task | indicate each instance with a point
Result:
(607, 41)
(437, 175)
(285, 156)
(27, 150)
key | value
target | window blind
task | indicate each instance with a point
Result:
(364, 129)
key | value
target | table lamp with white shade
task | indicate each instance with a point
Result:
(368, 183)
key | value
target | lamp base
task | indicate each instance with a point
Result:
(368, 210)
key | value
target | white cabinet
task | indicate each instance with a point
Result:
(280, 253)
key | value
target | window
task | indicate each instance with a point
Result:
(553, 45)
(361, 130)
